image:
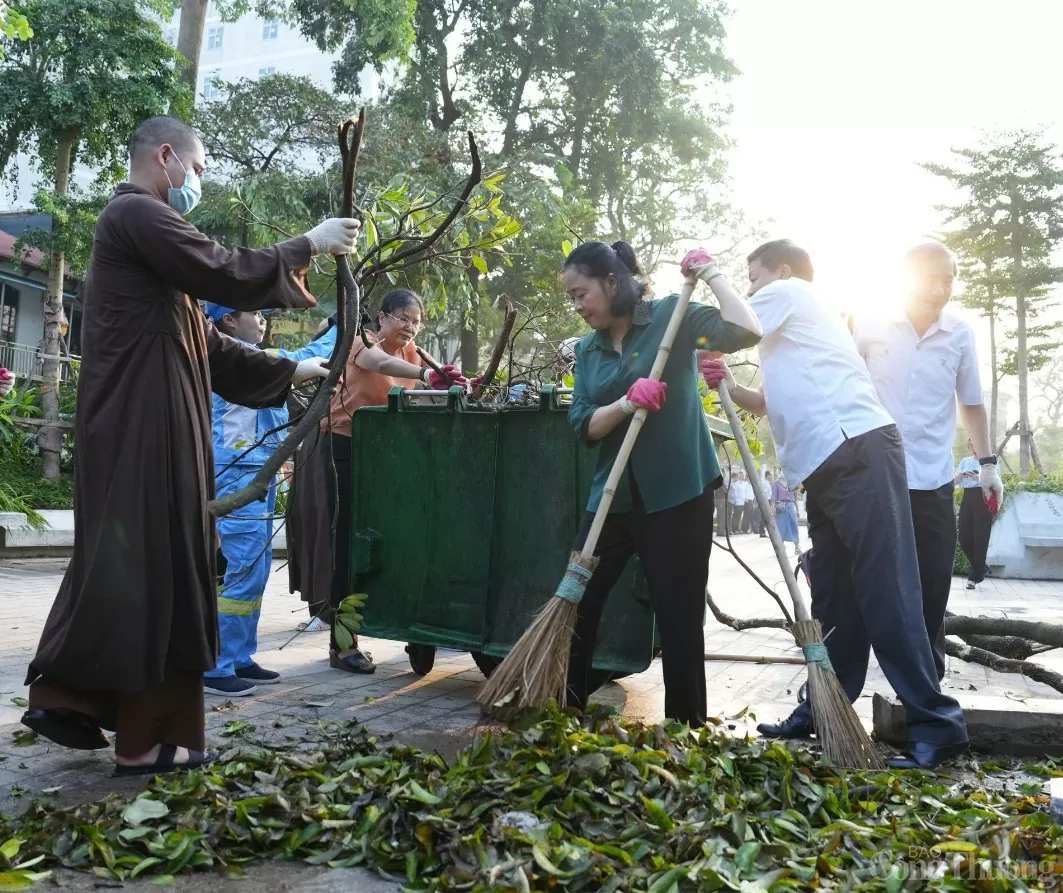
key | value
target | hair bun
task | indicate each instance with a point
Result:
(627, 256)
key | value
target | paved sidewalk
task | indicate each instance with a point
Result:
(437, 711)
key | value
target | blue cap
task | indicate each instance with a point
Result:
(217, 311)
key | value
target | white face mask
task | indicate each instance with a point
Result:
(185, 197)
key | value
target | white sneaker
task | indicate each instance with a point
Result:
(315, 625)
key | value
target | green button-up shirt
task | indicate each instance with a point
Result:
(673, 460)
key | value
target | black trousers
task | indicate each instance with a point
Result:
(734, 517)
(865, 581)
(976, 524)
(747, 516)
(934, 520)
(673, 546)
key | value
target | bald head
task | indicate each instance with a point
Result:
(932, 272)
(162, 150)
(159, 131)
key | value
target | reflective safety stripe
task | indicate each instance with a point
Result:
(235, 606)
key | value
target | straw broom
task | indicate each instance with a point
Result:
(838, 729)
(535, 672)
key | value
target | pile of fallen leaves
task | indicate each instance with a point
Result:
(559, 802)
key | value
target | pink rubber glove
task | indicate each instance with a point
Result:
(696, 258)
(7, 382)
(648, 394)
(438, 383)
(713, 371)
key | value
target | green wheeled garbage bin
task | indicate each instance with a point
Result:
(463, 519)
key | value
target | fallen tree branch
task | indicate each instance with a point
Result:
(496, 354)
(1035, 630)
(740, 624)
(1005, 664)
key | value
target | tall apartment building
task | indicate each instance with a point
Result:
(252, 47)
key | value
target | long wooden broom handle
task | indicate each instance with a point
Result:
(613, 481)
(800, 611)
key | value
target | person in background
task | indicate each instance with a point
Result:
(834, 436)
(244, 440)
(375, 365)
(720, 502)
(922, 364)
(976, 520)
(662, 509)
(749, 501)
(784, 505)
(134, 625)
(736, 501)
(7, 382)
(765, 486)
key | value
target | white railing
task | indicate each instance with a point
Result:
(25, 361)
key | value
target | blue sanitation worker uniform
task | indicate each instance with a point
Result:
(247, 534)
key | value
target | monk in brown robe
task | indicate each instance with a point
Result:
(135, 622)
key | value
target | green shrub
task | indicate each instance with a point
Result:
(25, 481)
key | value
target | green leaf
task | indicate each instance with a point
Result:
(479, 263)
(746, 857)
(144, 809)
(667, 881)
(423, 796)
(10, 849)
(13, 881)
(318, 703)
(566, 247)
(20, 702)
(344, 639)
(657, 814)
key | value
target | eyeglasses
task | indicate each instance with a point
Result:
(416, 325)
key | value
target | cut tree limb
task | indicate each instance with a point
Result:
(1036, 630)
(352, 290)
(500, 348)
(743, 623)
(1005, 664)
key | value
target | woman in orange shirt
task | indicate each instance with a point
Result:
(383, 361)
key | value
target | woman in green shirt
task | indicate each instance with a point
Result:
(662, 510)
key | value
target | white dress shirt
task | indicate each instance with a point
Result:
(918, 380)
(816, 386)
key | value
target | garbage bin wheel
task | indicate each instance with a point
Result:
(422, 658)
(486, 663)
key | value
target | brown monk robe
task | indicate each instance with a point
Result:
(134, 624)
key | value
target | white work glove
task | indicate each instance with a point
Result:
(315, 367)
(990, 482)
(337, 235)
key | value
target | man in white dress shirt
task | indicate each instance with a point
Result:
(922, 364)
(833, 435)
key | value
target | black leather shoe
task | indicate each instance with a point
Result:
(922, 755)
(68, 728)
(355, 662)
(794, 726)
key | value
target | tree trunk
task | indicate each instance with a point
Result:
(1020, 315)
(190, 39)
(50, 436)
